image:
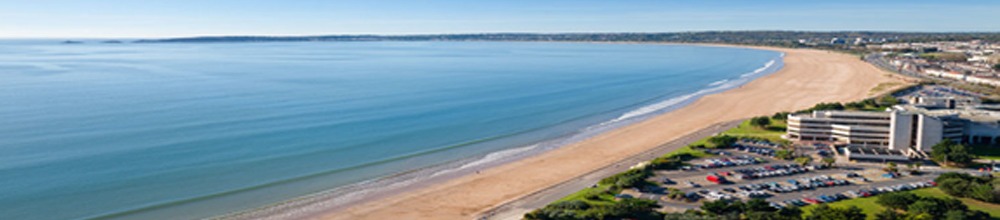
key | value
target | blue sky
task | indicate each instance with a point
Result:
(174, 18)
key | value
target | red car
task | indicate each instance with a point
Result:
(811, 201)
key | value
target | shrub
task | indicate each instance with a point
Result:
(722, 140)
(760, 122)
(627, 179)
(897, 200)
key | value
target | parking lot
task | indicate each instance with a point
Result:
(744, 175)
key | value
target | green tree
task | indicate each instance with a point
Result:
(784, 154)
(926, 206)
(891, 167)
(718, 207)
(757, 205)
(948, 152)
(889, 214)
(996, 66)
(825, 212)
(769, 216)
(897, 200)
(921, 216)
(675, 193)
(955, 215)
(722, 140)
(627, 179)
(887, 100)
(829, 161)
(780, 116)
(686, 216)
(953, 186)
(983, 192)
(760, 122)
(803, 160)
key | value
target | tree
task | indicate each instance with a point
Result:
(627, 179)
(769, 216)
(757, 205)
(889, 214)
(926, 206)
(722, 140)
(855, 105)
(791, 211)
(996, 66)
(760, 122)
(718, 207)
(955, 215)
(783, 154)
(675, 193)
(829, 161)
(982, 192)
(955, 187)
(780, 116)
(825, 212)
(887, 100)
(948, 152)
(803, 160)
(891, 167)
(897, 200)
(686, 216)
(827, 106)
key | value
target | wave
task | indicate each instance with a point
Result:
(759, 70)
(714, 87)
(720, 82)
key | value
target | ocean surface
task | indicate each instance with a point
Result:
(182, 131)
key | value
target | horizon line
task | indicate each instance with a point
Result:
(495, 33)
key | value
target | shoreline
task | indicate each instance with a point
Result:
(468, 196)
(339, 198)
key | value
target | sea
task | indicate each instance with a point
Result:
(197, 130)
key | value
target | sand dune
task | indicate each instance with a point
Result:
(808, 77)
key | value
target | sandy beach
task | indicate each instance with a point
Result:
(808, 77)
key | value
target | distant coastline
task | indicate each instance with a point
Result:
(769, 38)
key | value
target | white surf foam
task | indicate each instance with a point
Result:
(718, 82)
(713, 87)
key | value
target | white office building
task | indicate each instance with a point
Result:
(897, 129)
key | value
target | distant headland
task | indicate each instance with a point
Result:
(772, 38)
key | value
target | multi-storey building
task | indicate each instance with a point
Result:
(897, 129)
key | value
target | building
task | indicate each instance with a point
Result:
(913, 128)
(947, 102)
(846, 127)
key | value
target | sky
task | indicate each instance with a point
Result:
(182, 18)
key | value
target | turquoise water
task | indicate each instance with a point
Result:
(179, 131)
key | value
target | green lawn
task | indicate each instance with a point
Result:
(870, 207)
(773, 132)
(866, 204)
(687, 149)
(604, 198)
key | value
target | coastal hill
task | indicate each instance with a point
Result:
(773, 38)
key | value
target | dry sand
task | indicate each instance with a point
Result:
(808, 77)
